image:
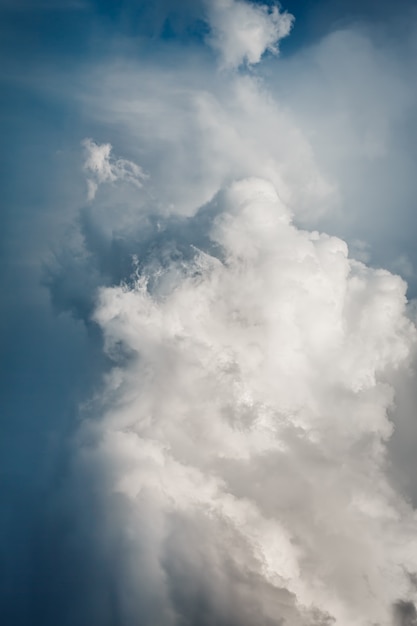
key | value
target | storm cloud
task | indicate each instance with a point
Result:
(209, 378)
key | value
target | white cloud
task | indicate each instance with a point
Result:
(200, 130)
(104, 169)
(240, 448)
(253, 410)
(243, 31)
(333, 122)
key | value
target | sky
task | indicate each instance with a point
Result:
(208, 313)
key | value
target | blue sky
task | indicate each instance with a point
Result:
(203, 119)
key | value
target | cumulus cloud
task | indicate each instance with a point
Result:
(236, 465)
(245, 424)
(242, 32)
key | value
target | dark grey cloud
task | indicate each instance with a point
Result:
(405, 613)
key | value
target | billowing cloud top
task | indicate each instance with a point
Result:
(220, 421)
(251, 419)
(243, 31)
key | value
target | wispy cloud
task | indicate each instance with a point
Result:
(102, 168)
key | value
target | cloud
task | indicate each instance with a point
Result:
(103, 168)
(248, 457)
(243, 439)
(241, 32)
(405, 614)
(333, 122)
(199, 131)
(245, 423)
(352, 96)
